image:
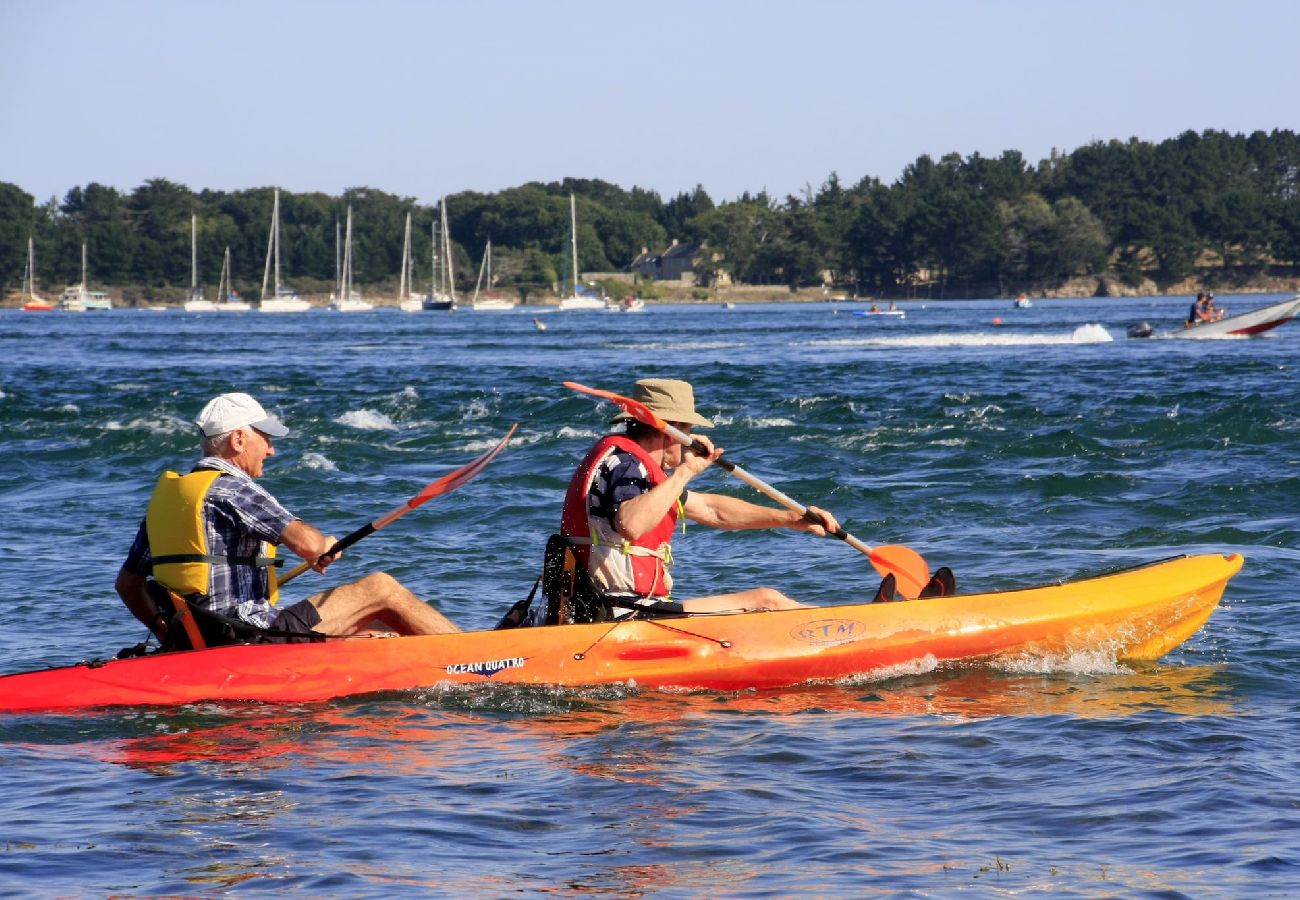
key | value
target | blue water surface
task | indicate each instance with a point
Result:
(1016, 446)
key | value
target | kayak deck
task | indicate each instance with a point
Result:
(1138, 614)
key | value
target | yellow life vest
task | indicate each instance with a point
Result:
(178, 540)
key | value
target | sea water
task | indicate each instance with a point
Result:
(1017, 446)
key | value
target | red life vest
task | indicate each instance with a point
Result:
(616, 564)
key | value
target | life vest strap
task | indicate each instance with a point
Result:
(627, 548)
(259, 562)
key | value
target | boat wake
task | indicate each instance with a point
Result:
(1084, 334)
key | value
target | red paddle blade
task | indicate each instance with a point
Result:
(911, 572)
(638, 411)
(455, 479)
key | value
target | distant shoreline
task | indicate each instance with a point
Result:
(676, 294)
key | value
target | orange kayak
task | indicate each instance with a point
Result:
(1136, 614)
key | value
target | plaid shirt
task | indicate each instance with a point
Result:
(238, 514)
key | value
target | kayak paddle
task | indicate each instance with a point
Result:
(444, 485)
(905, 564)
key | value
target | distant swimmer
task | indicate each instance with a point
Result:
(541, 326)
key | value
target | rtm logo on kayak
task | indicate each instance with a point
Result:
(486, 669)
(827, 631)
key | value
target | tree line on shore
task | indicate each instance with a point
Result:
(1214, 204)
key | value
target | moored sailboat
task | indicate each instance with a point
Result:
(197, 302)
(490, 302)
(229, 300)
(32, 302)
(406, 300)
(348, 299)
(283, 300)
(442, 294)
(578, 299)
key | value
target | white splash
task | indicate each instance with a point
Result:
(568, 432)
(318, 461)
(1084, 334)
(475, 409)
(920, 666)
(772, 422)
(366, 420)
(154, 426)
(67, 407)
(1079, 662)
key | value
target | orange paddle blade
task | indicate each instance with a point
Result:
(453, 480)
(633, 408)
(908, 568)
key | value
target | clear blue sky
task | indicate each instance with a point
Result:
(419, 98)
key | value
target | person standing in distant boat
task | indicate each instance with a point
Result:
(209, 537)
(626, 497)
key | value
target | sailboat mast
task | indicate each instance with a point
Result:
(446, 249)
(338, 272)
(573, 240)
(406, 260)
(83, 270)
(275, 213)
(346, 293)
(194, 257)
(270, 243)
(29, 283)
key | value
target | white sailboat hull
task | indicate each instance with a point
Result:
(284, 305)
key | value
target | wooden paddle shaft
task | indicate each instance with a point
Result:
(764, 488)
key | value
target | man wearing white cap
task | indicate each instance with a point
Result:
(210, 538)
(628, 493)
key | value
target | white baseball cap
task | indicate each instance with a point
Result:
(229, 412)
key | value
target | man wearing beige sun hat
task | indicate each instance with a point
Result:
(624, 502)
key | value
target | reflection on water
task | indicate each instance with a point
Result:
(413, 732)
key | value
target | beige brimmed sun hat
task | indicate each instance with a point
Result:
(668, 398)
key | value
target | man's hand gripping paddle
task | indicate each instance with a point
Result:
(444, 485)
(910, 570)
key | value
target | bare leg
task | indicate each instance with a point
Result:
(349, 608)
(745, 601)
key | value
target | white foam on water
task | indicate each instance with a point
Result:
(407, 394)
(1084, 334)
(318, 461)
(475, 409)
(568, 432)
(366, 420)
(679, 345)
(923, 665)
(67, 407)
(154, 426)
(1079, 662)
(805, 402)
(771, 422)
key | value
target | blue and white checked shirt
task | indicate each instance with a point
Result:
(238, 514)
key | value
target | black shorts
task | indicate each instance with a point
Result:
(301, 618)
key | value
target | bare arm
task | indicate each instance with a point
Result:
(308, 542)
(130, 587)
(734, 514)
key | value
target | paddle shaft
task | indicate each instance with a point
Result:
(697, 446)
(444, 485)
